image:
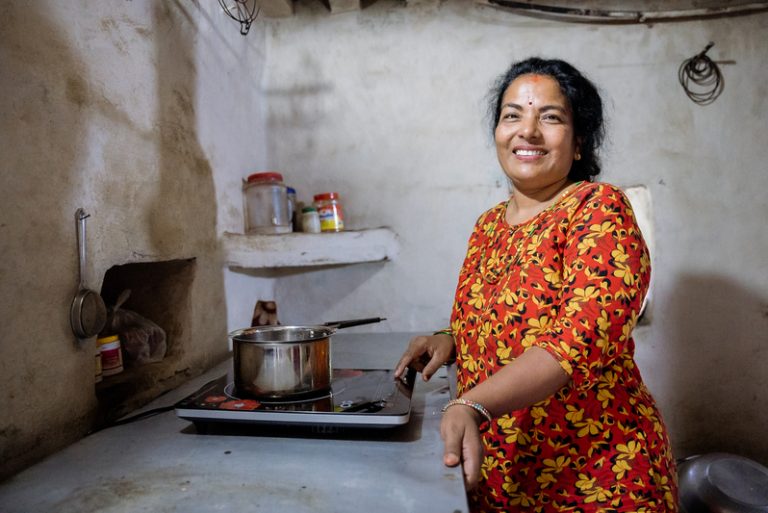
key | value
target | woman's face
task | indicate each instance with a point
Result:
(535, 140)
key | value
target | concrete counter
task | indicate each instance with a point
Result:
(161, 464)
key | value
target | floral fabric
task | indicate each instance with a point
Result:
(570, 281)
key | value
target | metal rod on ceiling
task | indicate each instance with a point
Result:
(589, 15)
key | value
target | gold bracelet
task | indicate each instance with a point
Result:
(446, 331)
(472, 404)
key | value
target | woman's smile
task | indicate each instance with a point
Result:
(526, 153)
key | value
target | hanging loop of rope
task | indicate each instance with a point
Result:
(701, 78)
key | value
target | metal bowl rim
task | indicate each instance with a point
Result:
(241, 335)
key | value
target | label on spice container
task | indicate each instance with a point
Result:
(331, 218)
(111, 358)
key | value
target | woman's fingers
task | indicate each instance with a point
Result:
(412, 356)
(451, 435)
(473, 459)
(462, 443)
(425, 354)
(430, 365)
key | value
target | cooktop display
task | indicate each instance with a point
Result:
(358, 398)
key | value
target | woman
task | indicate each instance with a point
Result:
(552, 413)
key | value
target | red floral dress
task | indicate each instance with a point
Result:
(571, 281)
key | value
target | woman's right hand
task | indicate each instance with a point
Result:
(462, 442)
(426, 354)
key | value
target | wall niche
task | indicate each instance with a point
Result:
(160, 293)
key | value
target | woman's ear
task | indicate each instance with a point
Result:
(577, 149)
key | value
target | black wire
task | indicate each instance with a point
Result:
(700, 71)
(138, 416)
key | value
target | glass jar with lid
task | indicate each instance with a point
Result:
(266, 204)
(329, 210)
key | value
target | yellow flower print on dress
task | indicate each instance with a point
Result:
(538, 414)
(574, 415)
(517, 498)
(585, 295)
(552, 276)
(486, 331)
(539, 326)
(590, 427)
(604, 396)
(529, 340)
(504, 352)
(489, 462)
(586, 245)
(507, 297)
(556, 465)
(476, 299)
(516, 436)
(623, 270)
(620, 468)
(603, 229)
(546, 479)
(470, 363)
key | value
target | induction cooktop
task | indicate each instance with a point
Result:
(357, 398)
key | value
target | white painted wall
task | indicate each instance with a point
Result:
(386, 107)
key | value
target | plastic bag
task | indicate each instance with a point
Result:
(142, 340)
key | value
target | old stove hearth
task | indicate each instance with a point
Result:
(160, 292)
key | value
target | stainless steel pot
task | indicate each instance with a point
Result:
(283, 362)
(722, 483)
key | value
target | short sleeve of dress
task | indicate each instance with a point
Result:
(605, 276)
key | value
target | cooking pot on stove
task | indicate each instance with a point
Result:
(285, 362)
(722, 483)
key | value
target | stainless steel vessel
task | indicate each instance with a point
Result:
(722, 483)
(280, 362)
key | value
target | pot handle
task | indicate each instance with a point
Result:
(354, 322)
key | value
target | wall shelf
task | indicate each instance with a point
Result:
(247, 251)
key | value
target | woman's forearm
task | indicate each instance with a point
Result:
(530, 378)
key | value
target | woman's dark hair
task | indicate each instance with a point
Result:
(584, 100)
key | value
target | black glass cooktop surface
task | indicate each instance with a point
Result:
(358, 398)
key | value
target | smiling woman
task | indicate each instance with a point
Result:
(553, 414)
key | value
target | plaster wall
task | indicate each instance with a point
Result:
(386, 105)
(138, 112)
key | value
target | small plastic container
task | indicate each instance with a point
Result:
(310, 221)
(111, 355)
(266, 204)
(329, 210)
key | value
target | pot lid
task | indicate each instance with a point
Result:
(740, 479)
(723, 483)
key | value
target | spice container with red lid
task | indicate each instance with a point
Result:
(329, 210)
(266, 204)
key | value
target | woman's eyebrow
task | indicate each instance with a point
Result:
(543, 108)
